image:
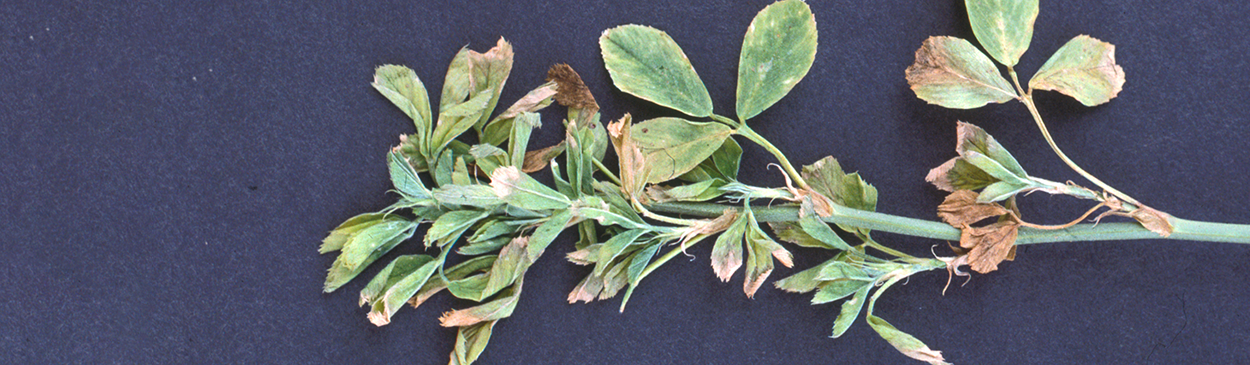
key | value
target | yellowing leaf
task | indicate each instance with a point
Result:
(1084, 69)
(989, 245)
(671, 147)
(952, 73)
(1004, 27)
(777, 52)
(647, 63)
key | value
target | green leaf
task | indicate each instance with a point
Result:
(850, 311)
(614, 247)
(777, 52)
(834, 290)
(1084, 69)
(520, 190)
(840, 270)
(673, 146)
(450, 226)
(483, 246)
(1000, 191)
(457, 119)
(801, 282)
(402, 87)
(490, 71)
(903, 342)
(849, 190)
(952, 73)
(470, 342)
(547, 232)
(344, 232)
(818, 229)
(367, 246)
(793, 233)
(701, 191)
(647, 63)
(957, 174)
(972, 138)
(993, 168)
(639, 262)
(517, 144)
(476, 195)
(723, 164)
(405, 178)
(407, 275)
(1004, 27)
(509, 266)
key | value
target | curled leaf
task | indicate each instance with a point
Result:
(989, 245)
(537, 159)
(470, 342)
(1004, 27)
(1084, 69)
(489, 311)
(633, 168)
(573, 93)
(905, 343)
(961, 209)
(952, 73)
(647, 63)
(1154, 220)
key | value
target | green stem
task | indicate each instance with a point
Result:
(606, 171)
(746, 131)
(1183, 229)
(1027, 100)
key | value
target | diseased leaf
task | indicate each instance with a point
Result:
(470, 342)
(1084, 69)
(971, 138)
(1004, 27)
(850, 311)
(723, 164)
(834, 290)
(365, 247)
(523, 125)
(647, 63)
(952, 73)
(344, 232)
(671, 147)
(508, 267)
(461, 270)
(727, 252)
(537, 159)
(573, 93)
(457, 119)
(760, 253)
(793, 233)
(701, 191)
(849, 190)
(522, 191)
(402, 283)
(989, 245)
(489, 73)
(961, 209)
(450, 226)
(777, 51)
(801, 282)
(907, 344)
(957, 174)
(489, 311)
(402, 87)
(634, 171)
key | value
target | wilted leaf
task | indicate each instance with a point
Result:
(489, 311)
(727, 252)
(1154, 220)
(573, 93)
(522, 126)
(490, 71)
(905, 343)
(344, 232)
(457, 119)
(961, 209)
(537, 159)
(777, 51)
(522, 191)
(402, 87)
(971, 138)
(647, 63)
(587, 290)
(633, 168)
(672, 146)
(989, 245)
(850, 311)
(1001, 190)
(470, 342)
(1084, 69)
(952, 73)
(1004, 27)
(461, 270)
(402, 283)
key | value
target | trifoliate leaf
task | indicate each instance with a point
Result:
(1084, 69)
(793, 233)
(957, 174)
(457, 119)
(522, 191)
(761, 250)
(519, 141)
(647, 63)
(439, 282)
(701, 191)
(952, 73)
(470, 342)
(849, 190)
(777, 51)
(850, 311)
(508, 267)
(408, 274)
(402, 87)
(671, 147)
(1004, 27)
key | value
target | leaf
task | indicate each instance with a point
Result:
(1000, 191)
(961, 209)
(849, 190)
(971, 138)
(671, 147)
(793, 233)
(952, 73)
(537, 159)
(344, 232)
(989, 245)
(1154, 220)
(777, 51)
(490, 72)
(760, 253)
(634, 170)
(547, 232)
(573, 93)
(489, 311)
(365, 247)
(701, 191)
(647, 63)
(533, 101)
(448, 228)
(519, 141)
(1004, 27)
(455, 273)
(727, 252)
(957, 174)
(402, 87)
(455, 120)
(614, 247)
(1084, 69)
(801, 282)
(508, 267)
(838, 289)
(723, 164)
(470, 342)
(476, 195)
(907, 344)
(850, 311)
(402, 283)
(521, 190)
(405, 178)
(818, 229)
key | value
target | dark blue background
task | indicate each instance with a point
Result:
(167, 171)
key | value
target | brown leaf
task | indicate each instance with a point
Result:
(960, 209)
(537, 159)
(989, 245)
(587, 290)
(633, 168)
(534, 101)
(573, 92)
(1155, 221)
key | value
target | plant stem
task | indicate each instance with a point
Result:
(1027, 99)
(746, 131)
(606, 171)
(1183, 229)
